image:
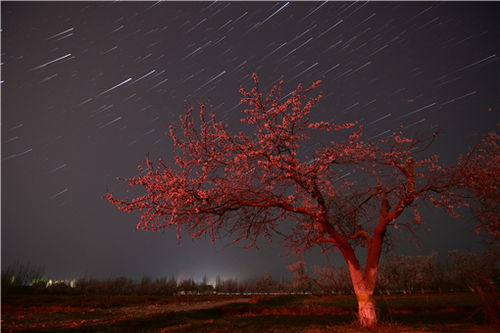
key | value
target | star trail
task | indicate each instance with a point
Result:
(90, 88)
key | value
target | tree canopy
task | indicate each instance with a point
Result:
(344, 194)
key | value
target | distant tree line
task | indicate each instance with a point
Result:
(21, 274)
(461, 271)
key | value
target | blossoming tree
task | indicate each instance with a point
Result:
(265, 183)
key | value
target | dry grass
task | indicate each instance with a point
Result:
(283, 314)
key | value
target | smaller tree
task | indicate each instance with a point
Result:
(333, 279)
(478, 271)
(479, 177)
(326, 279)
(301, 281)
(266, 284)
(409, 274)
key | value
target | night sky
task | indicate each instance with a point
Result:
(88, 88)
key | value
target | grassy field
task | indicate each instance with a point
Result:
(287, 314)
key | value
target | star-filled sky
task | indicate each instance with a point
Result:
(88, 88)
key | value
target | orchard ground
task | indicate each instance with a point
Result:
(451, 312)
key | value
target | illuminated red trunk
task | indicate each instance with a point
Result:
(363, 282)
(363, 288)
(366, 309)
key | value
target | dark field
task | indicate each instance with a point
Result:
(398, 313)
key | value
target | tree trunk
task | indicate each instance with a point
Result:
(366, 310)
(363, 287)
(364, 284)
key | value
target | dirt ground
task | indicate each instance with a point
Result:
(20, 318)
(454, 313)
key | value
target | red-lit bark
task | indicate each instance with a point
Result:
(345, 194)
